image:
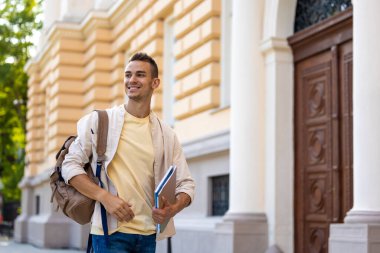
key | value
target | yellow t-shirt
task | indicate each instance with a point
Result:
(131, 171)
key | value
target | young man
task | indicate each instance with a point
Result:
(140, 148)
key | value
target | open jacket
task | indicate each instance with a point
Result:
(167, 151)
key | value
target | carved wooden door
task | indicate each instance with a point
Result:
(323, 130)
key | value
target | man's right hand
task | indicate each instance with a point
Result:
(113, 204)
(117, 207)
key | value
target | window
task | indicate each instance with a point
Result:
(310, 12)
(220, 195)
(38, 204)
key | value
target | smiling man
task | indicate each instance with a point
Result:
(139, 151)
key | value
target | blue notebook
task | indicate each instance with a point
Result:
(165, 188)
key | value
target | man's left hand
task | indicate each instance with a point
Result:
(169, 210)
(163, 214)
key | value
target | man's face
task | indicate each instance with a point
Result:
(138, 81)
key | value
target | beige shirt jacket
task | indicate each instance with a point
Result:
(167, 151)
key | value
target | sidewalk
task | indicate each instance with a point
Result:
(9, 246)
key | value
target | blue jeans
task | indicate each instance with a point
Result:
(126, 243)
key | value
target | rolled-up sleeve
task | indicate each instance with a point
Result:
(185, 183)
(81, 149)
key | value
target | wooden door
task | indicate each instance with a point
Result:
(323, 130)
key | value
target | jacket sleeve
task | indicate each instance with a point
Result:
(81, 149)
(185, 183)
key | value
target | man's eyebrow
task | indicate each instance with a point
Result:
(138, 71)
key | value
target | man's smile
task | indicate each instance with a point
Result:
(133, 87)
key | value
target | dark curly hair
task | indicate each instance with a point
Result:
(141, 56)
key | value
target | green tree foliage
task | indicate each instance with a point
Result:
(17, 26)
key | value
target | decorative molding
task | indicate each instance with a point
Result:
(274, 44)
(197, 224)
(39, 179)
(362, 217)
(207, 145)
(255, 217)
(332, 23)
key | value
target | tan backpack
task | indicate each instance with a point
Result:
(72, 203)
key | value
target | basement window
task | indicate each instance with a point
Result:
(220, 195)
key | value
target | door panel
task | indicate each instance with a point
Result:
(315, 150)
(323, 131)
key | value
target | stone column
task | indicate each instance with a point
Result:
(244, 227)
(361, 230)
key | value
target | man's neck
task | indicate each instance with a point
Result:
(139, 110)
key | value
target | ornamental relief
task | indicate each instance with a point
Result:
(316, 147)
(317, 190)
(316, 99)
(317, 240)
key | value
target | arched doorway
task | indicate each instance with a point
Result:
(323, 122)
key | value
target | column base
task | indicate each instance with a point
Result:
(360, 233)
(354, 238)
(20, 230)
(242, 232)
(362, 217)
(21, 223)
(43, 231)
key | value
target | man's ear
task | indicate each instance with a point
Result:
(155, 83)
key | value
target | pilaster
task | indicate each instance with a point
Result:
(279, 127)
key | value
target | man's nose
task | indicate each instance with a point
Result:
(132, 78)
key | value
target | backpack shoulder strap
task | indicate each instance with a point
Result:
(102, 134)
(101, 150)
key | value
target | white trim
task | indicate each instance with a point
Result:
(207, 145)
(197, 224)
(225, 63)
(34, 181)
(168, 76)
